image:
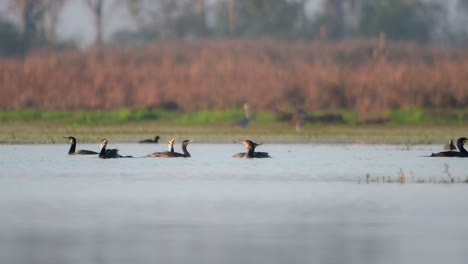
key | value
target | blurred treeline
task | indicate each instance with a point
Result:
(366, 55)
(32, 24)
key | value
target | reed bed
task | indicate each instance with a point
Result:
(365, 76)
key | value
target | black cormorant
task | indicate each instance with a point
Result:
(109, 153)
(185, 153)
(72, 151)
(155, 140)
(462, 153)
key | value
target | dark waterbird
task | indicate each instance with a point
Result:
(109, 153)
(185, 153)
(462, 153)
(72, 149)
(170, 153)
(250, 145)
(165, 154)
(149, 141)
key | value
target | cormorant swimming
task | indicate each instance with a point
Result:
(450, 146)
(166, 154)
(462, 153)
(109, 153)
(155, 140)
(72, 151)
(185, 153)
(250, 145)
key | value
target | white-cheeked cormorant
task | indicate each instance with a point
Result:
(251, 153)
(165, 154)
(109, 153)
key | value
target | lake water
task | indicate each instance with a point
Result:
(308, 204)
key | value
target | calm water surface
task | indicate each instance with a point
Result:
(308, 204)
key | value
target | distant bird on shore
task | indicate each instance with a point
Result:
(109, 153)
(244, 122)
(150, 141)
(250, 145)
(449, 146)
(72, 149)
(462, 153)
(299, 118)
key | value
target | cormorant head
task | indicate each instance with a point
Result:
(249, 144)
(71, 139)
(171, 141)
(156, 139)
(462, 141)
(103, 143)
(185, 142)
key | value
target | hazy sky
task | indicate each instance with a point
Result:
(76, 22)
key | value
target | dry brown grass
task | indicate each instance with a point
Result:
(222, 74)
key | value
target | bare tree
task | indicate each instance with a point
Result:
(232, 17)
(170, 18)
(464, 6)
(30, 16)
(302, 17)
(335, 11)
(202, 17)
(52, 12)
(28, 12)
(336, 15)
(96, 8)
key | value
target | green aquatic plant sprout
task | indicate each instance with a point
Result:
(413, 116)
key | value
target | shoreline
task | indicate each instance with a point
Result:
(52, 132)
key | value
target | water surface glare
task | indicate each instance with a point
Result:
(307, 204)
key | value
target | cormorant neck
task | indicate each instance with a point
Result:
(461, 148)
(250, 153)
(184, 149)
(72, 148)
(102, 154)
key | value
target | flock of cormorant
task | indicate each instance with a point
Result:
(170, 153)
(451, 150)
